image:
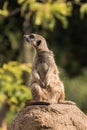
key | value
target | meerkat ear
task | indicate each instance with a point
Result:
(38, 42)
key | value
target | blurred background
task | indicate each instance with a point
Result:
(64, 24)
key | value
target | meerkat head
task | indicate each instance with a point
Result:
(37, 41)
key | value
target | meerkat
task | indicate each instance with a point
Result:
(45, 83)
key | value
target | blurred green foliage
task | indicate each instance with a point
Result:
(12, 88)
(76, 88)
(11, 83)
(83, 10)
(46, 14)
(4, 10)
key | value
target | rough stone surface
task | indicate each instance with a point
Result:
(52, 117)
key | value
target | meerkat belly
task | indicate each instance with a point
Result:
(55, 84)
(42, 69)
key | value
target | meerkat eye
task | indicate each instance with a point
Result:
(38, 42)
(31, 36)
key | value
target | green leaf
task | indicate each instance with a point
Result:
(11, 83)
(83, 10)
(4, 11)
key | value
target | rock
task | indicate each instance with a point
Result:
(51, 117)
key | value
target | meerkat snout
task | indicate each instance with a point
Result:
(26, 38)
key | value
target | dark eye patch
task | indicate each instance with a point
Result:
(31, 36)
(38, 42)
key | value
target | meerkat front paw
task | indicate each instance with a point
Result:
(47, 82)
(36, 76)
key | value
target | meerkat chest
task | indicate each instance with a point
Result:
(42, 69)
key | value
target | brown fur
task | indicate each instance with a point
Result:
(45, 83)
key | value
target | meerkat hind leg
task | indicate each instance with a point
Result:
(38, 93)
(63, 101)
(67, 102)
(39, 97)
